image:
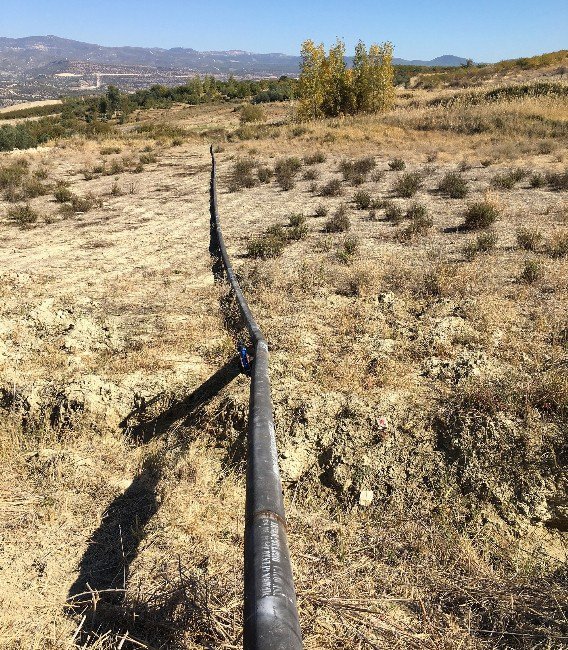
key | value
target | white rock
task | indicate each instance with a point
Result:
(366, 498)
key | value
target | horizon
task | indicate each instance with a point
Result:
(494, 33)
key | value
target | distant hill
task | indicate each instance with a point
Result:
(44, 54)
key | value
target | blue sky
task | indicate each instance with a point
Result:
(481, 29)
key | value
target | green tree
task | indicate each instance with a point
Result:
(113, 100)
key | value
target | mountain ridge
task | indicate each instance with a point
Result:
(32, 52)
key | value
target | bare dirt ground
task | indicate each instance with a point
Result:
(122, 497)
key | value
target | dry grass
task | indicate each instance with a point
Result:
(115, 311)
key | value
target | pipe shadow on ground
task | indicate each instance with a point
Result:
(98, 593)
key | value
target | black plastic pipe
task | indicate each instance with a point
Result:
(270, 612)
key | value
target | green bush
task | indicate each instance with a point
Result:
(397, 164)
(251, 113)
(532, 271)
(508, 180)
(407, 185)
(265, 246)
(529, 239)
(23, 214)
(297, 220)
(242, 174)
(558, 181)
(333, 188)
(321, 211)
(84, 203)
(417, 211)
(362, 200)
(420, 221)
(453, 185)
(486, 241)
(12, 175)
(314, 158)
(558, 246)
(480, 214)
(393, 212)
(348, 250)
(311, 175)
(339, 222)
(537, 180)
(286, 170)
(264, 174)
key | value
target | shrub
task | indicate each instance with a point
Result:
(420, 221)
(311, 175)
(297, 220)
(393, 212)
(486, 241)
(32, 188)
(84, 203)
(532, 271)
(314, 158)
(333, 188)
(528, 238)
(408, 184)
(558, 246)
(242, 174)
(377, 176)
(115, 190)
(480, 214)
(298, 232)
(397, 164)
(362, 200)
(106, 151)
(288, 166)
(264, 174)
(321, 211)
(537, 180)
(339, 222)
(251, 113)
(265, 246)
(285, 182)
(285, 170)
(416, 211)
(23, 214)
(148, 158)
(41, 174)
(453, 185)
(348, 249)
(62, 193)
(558, 181)
(12, 174)
(508, 180)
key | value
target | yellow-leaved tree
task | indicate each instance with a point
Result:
(328, 88)
(311, 82)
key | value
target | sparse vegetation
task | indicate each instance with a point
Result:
(332, 188)
(508, 180)
(23, 215)
(362, 200)
(251, 113)
(397, 164)
(532, 271)
(529, 239)
(407, 185)
(339, 222)
(480, 214)
(453, 185)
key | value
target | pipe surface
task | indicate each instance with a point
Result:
(270, 612)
